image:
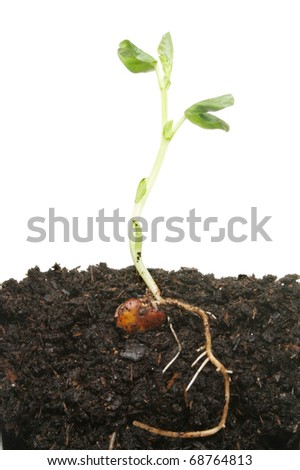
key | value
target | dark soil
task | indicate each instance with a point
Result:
(71, 378)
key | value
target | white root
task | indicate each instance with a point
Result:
(178, 344)
(197, 373)
(198, 358)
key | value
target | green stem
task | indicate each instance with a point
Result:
(178, 125)
(164, 98)
(136, 246)
(164, 108)
(138, 207)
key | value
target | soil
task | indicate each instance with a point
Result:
(71, 378)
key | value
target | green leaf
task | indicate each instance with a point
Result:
(208, 121)
(198, 112)
(136, 60)
(141, 190)
(165, 50)
(168, 131)
(212, 104)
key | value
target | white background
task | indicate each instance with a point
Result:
(78, 131)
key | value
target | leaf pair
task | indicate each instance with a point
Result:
(198, 113)
(138, 61)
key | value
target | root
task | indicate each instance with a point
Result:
(179, 347)
(112, 440)
(197, 373)
(210, 357)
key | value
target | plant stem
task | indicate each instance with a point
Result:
(138, 207)
(163, 86)
(137, 211)
(177, 125)
(135, 246)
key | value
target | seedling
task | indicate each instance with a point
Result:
(143, 314)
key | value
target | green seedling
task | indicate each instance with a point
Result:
(143, 314)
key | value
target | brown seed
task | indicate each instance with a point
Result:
(139, 315)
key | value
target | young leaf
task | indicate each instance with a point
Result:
(212, 104)
(136, 60)
(207, 121)
(168, 130)
(141, 190)
(165, 50)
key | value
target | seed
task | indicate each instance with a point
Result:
(139, 315)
